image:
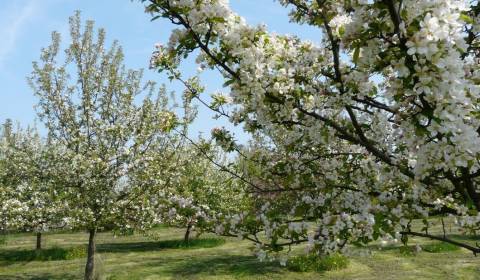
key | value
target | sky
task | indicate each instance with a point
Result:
(26, 25)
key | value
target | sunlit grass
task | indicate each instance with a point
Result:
(440, 247)
(313, 262)
(168, 257)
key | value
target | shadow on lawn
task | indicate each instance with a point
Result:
(225, 265)
(39, 277)
(465, 237)
(410, 249)
(50, 254)
(159, 245)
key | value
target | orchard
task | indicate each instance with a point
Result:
(324, 157)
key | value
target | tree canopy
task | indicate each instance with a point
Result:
(371, 127)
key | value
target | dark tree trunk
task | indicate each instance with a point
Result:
(90, 266)
(472, 192)
(39, 241)
(187, 233)
(471, 188)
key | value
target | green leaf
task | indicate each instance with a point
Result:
(466, 18)
(228, 83)
(356, 54)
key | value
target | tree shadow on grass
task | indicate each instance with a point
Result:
(225, 265)
(46, 276)
(159, 245)
(50, 254)
(378, 247)
(410, 249)
(464, 237)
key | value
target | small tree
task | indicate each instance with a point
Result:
(109, 124)
(201, 191)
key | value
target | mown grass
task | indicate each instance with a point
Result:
(314, 262)
(3, 240)
(440, 247)
(50, 254)
(166, 257)
(158, 245)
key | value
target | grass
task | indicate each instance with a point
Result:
(3, 240)
(440, 247)
(159, 245)
(313, 262)
(166, 257)
(50, 254)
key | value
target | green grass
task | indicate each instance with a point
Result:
(440, 247)
(210, 258)
(313, 262)
(159, 245)
(408, 251)
(50, 254)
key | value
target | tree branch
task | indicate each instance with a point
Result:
(475, 250)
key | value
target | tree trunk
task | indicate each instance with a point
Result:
(471, 188)
(90, 266)
(472, 192)
(186, 239)
(39, 241)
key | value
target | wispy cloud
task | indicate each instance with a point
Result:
(15, 18)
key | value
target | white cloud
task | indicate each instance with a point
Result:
(15, 18)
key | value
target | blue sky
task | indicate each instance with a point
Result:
(25, 27)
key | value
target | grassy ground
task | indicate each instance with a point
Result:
(139, 257)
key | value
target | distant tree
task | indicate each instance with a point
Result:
(8, 180)
(200, 190)
(31, 200)
(109, 123)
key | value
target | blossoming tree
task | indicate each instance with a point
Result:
(6, 180)
(109, 123)
(10, 205)
(370, 127)
(201, 191)
(30, 199)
